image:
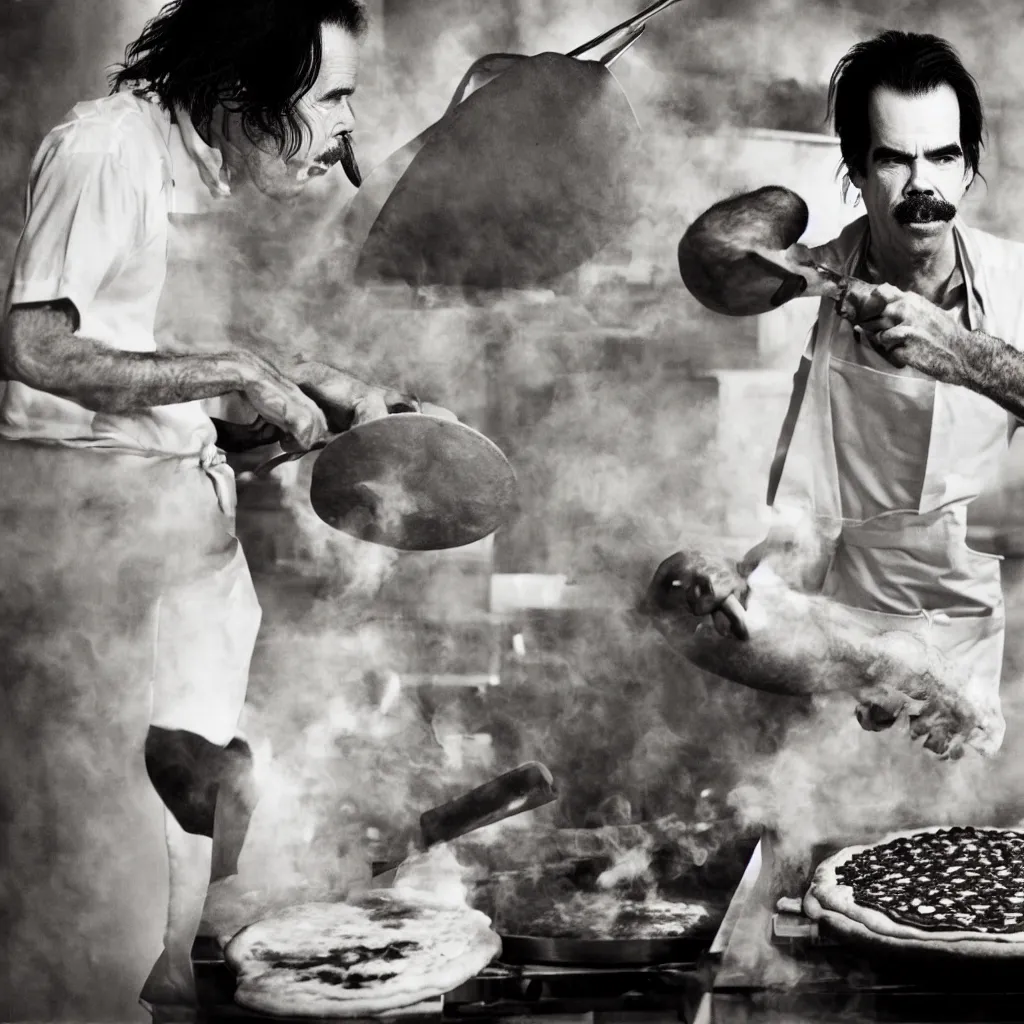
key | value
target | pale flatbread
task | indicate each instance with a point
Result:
(832, 902)
(381, 951)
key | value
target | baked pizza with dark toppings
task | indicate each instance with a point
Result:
(383, 950)
(958, 890)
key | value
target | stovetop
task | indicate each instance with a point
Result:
(776, 966)
(667, 992)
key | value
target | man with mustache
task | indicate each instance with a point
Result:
(127, 614)
(905, 401)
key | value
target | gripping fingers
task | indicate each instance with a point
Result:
(438, 411)
(295, 414)
(736, 616)
(372, 407)
(306, 422)
(887, 346)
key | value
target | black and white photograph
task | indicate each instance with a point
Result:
(511, 511)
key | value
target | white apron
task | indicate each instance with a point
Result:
(885, 462)
(128, 605)
(204, 632)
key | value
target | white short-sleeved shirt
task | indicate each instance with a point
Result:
(96, 233)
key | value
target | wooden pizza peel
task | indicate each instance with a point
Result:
(410, 481)
(413, 482)
(520, 181)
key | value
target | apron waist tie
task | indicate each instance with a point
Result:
(210, 459)
(214, 463)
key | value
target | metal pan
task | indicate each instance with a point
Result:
(518, 948)
(532, 949)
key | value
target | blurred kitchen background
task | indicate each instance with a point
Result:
(637, 421)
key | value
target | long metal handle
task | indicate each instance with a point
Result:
(529, 786)
(625, 28)
(265, 468)
(522, 789)
(612, 56)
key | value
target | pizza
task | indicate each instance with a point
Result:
(956, 890)
(383, 950)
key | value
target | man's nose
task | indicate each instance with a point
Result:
(347, 120)
(920, 182)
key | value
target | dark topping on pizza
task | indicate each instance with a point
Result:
(956, 879)
(347, 956)
(386, 915)
(351, 979)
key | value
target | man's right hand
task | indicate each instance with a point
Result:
(704, 586)
(281, 402)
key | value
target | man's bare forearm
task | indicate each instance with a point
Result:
(105, 380)
(38, 349)
(994, 369)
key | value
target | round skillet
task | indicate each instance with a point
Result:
(580, 876)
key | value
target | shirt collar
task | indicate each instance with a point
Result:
(967, 261)
(953, 292)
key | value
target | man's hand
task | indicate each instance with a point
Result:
(704, 586)
(438, 411)
(280, 402)
(346, 400)
(909, 330)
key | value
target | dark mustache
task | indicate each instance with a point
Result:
(344, 154)
(923, 209)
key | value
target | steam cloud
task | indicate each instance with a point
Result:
(617, 468)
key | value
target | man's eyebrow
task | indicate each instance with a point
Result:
(951, 150)
(337, 94)
(888, 153)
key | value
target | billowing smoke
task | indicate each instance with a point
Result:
(598, 388)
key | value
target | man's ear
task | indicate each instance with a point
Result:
(856, 178)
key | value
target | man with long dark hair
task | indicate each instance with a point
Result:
(905, 401)
(127, 614)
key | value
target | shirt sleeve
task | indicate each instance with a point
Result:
(84, 213)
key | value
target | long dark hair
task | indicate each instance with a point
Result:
(908, 63)
(256, 57)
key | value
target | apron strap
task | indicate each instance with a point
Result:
(796, 399)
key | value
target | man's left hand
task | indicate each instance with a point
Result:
(344, 399)
(911, 331)
(382, 403)
(348, 401)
